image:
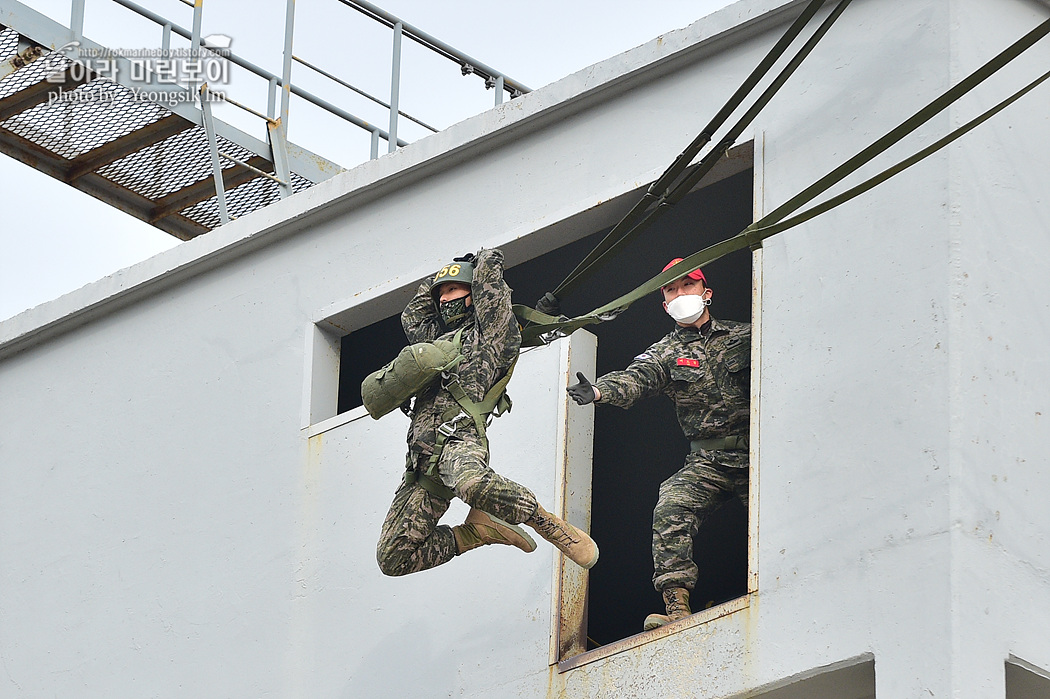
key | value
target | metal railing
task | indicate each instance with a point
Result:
(467, 64)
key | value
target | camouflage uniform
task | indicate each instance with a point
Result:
(705, 372)
(411, 539)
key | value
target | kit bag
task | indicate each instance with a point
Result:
(412, 370)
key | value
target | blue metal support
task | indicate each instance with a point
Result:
(395, 86)
(213, 147)
(278, 130)
(279, 149)
(195, 37)
(271, 98)
(286, 73)
(76, 27)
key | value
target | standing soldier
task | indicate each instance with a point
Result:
(467, 302)
(703, 366)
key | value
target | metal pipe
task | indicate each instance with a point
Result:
(271, 99)
(395, 87)
(357, 121)
(361, 92)
(216, 166)
(235, 103)
(499, 90)
(432, 43)
(195, 37)
(254, 169)
(76, 26)
(286, 79)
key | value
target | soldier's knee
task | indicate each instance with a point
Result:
(391, 565)
(470, 490)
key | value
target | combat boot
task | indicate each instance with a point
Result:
(575, 544)
(481, 528)
(676, 599)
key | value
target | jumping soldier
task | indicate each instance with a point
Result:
(703, 366)
(468, 302)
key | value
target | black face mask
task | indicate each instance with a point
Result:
(454, 312)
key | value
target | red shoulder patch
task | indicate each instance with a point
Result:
(686, 361)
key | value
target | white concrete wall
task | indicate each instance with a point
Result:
(999, 369)
(168, 528)
(478, 626)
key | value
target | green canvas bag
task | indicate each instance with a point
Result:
(412, 370)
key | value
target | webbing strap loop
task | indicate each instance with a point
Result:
(427, 479)
(731, 443)
(632, 223)
(775, 222)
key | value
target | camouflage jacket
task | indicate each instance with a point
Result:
(704, 372)
(491, 341)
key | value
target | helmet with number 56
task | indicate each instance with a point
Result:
(462, 272)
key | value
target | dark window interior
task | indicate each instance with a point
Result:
(362, 352)
(634, 450)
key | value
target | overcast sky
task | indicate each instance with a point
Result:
(55, 239)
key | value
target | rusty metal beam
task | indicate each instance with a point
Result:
(137, 205)
(125, 145)
(35, 94)
(96, 186)
(204, 189)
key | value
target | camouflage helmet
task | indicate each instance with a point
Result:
(456, 271)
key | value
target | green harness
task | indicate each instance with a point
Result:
(495, 403)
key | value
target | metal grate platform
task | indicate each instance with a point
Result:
(135, 154)
(147, 143)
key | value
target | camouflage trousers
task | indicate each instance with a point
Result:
(412, 540)
(706, 482)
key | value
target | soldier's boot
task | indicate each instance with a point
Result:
(572, 542)
(481, 528)
(676, 599)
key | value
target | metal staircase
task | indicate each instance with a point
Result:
(151, 147)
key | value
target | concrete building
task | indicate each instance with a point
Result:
(185, 510)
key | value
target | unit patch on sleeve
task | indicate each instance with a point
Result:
(686, 361)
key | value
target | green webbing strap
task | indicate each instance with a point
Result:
(774, 222)
(479, 412)
(495, 401)
(634, 222)
(732, 443)
(889, 172)
(525, 314)
(428, 480)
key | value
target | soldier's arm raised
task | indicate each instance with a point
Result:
(492, 305)
(420, 319)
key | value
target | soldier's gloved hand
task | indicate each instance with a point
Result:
(469, 257)
(549, 304)
(582, 392)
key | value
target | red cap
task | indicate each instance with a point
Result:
(695, 274)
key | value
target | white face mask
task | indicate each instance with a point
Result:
(687, 308)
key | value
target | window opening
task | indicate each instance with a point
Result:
(1026, 681)
(362, 352)
(636, 449)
